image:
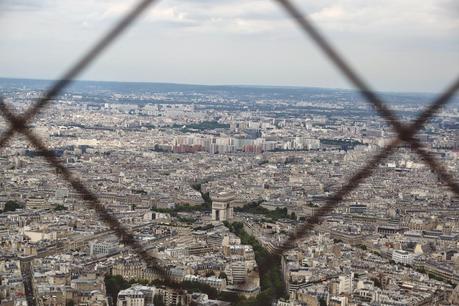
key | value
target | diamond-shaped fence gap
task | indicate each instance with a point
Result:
(212, 176)
(79, 66)
(373, 99)
(90, 198)
(314, 34)
(304, 229)
(398, 177)
(332, 173)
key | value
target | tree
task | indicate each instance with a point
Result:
(377, 282)
(114, 284)
(70, 303)
(223, 275)
(322, 301)
(11, 206)
(140, 281)
(158, 301)
(210, 273)
(255, 208)
(272, 286)
(60, 207)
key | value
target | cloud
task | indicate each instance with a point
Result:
(7, 6)
(427, 17)
(449, 9)
(417, 37)
(202, 15)
(389, 16)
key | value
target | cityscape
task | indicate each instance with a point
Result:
(212, 181)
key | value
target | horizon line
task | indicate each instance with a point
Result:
(223, 85)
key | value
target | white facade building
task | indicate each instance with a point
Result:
(137, 295)
(403, 257)
(102, 248)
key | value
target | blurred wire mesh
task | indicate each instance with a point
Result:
(406, 133)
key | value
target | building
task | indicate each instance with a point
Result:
(102, 248)
(134, 270)
(345, 284)
(172, 296)
(403, 257)
(357, 209)
(238, 273)
(38, 235)
(37, 203)
(212, 281)
(222, 209)
(137, 295)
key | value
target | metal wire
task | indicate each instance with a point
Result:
(89, 197)
(18, 123)
(371, 97)
(405, 134)
(75, 70)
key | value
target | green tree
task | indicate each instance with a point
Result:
(114, 284)
(158, 300)
(69, 303)
(377, 282)
(11, 206)
(269, 268)
(255, 207)
(60, 207)
(188, 220)
(322, 302)
(210, 273)
(223, 275)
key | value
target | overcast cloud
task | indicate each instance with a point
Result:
(399, 45)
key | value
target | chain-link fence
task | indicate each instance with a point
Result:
(405, 134)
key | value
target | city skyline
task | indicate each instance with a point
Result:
(214, 182)
(218, 158)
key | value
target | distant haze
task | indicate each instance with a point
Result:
(397, 45)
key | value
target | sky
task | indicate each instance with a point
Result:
(396, 45)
